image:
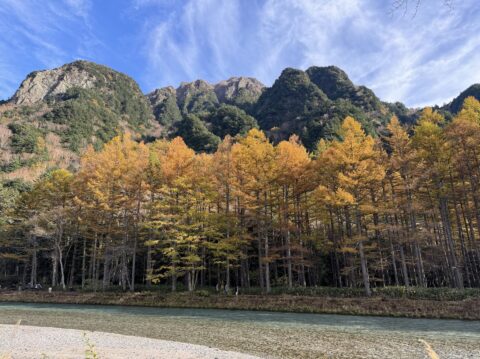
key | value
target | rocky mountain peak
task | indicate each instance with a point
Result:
(187, 88)
(331, 80)
(336, 84)
(195, 96)
(234, 87)
(160, 95)
(40, 84)
(164, 105)
(292, 77)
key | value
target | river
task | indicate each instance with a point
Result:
(267, 334)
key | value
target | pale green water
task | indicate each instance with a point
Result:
(288, 335)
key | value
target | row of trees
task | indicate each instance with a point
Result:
(403, 209)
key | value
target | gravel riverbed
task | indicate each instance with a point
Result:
(26, 342)
(262, 334)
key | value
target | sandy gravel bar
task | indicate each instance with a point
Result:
(26, 342)
(262, 334)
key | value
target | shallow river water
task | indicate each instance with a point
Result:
(270, 335)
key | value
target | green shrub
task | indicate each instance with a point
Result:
(440, 294)
(428, 293)
(196, 135)
(202, 293)
(230, 120)
(25, 138)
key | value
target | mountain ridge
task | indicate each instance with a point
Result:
(474, 87)
(56, 113)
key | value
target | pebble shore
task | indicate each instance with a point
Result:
(27, 342)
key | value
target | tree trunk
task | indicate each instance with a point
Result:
(287, 239)
(363, 260)
(406, 280)
(84, 259)
(134, 258)
(72, 269)
(54, 268)
(33, 272)
(447, 228)
(62, 270)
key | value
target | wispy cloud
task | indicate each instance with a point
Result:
(199, 38)
(79, 7)
(420, 60)
(45, 34)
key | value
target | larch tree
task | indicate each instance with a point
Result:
(359, 176)
(434, 158)
(291, 168)
(253, 158)
(402, 208)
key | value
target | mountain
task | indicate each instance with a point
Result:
(313, 103)
(242, 92)
(199, 97)
(309, 103)
(455, 106)
(56, 113)
(206, 112)
(334, 82)
(164, 105)
(292, 97)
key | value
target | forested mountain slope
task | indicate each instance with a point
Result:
(209, 198)
(311, 104)
(56, 113)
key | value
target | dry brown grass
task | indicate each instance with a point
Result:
(58, 156)
(5, 135)
(286, 303)
(428, 348)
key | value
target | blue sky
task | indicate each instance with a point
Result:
(424, 59)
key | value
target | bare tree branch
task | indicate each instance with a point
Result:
(405, 5)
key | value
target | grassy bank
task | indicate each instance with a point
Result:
(381, 305)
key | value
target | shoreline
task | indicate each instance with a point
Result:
(467, 309)
(27, 341)
(265, 335)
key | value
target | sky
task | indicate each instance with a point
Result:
(420, 57)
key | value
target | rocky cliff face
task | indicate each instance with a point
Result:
(240, 91)
(199, 97)
(164, 105)
(196, 96)
(40, 84)
(161, 95)
(56, 113)
(234, 90)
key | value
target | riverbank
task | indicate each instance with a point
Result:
(466, 309)
(29, 342)
(263, 334)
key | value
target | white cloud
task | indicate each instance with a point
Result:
(79, 7)
(199, 38)
(422, 60)
(45, 33)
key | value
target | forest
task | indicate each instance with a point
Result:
(400, 209)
